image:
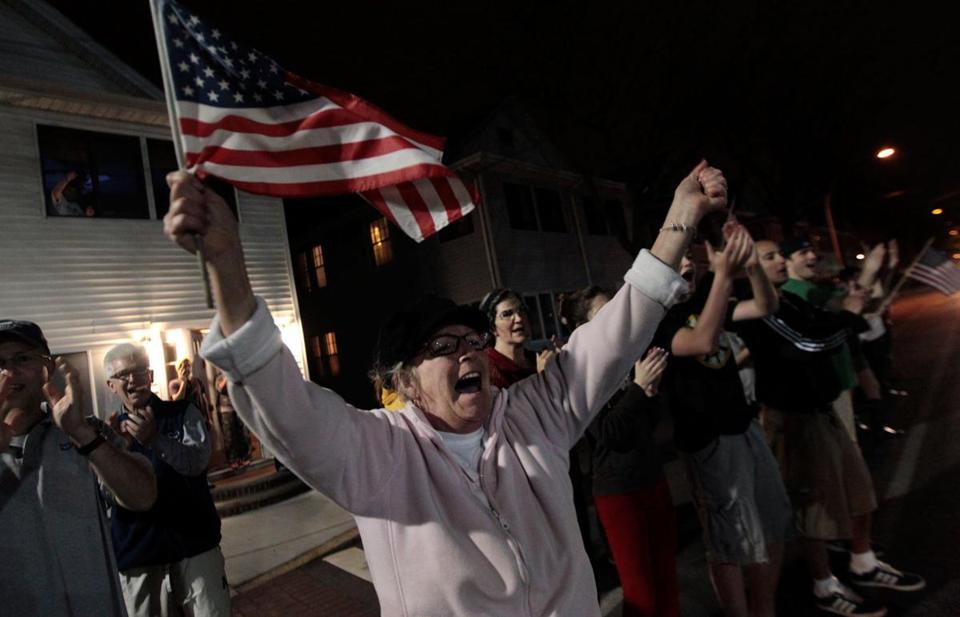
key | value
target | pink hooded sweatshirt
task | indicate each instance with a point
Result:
(437, 543)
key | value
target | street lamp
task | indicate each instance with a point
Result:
(883, 154)
(936, 211)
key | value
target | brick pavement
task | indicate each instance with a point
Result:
(314, 589)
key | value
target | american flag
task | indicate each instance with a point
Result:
(937, 270)
(241, 117)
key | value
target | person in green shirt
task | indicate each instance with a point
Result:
(802, 260)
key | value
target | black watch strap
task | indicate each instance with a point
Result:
(93, 445)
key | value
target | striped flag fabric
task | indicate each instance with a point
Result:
(239, 116)
(937, 270)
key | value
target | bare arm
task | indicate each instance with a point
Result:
(765, 300)
(703, 190)
(702, 338)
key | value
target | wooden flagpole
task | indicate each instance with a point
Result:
(174, 122)
(903, 279)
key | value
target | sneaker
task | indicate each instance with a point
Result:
(888, 577)
(843, 601)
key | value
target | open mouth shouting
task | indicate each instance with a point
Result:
(469, 383)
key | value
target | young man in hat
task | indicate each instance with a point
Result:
(58, 559)
(467, 483)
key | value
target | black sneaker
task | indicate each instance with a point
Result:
(888, 577)
(843, 601)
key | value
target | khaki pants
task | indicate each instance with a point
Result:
(193, 587)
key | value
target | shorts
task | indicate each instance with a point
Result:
(740, 498)
(825, 474)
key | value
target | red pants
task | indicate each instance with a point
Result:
(641, 528)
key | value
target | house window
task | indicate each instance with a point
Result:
(313, 273)
(595, 218)
(457, 229)
(380, 240)
(91, 174)
(163, 160)
(520, 208)
(325, 355)
(332, 353)
(534, 209)
(550, 210)
(548, 314)
(533, 313)
(614, 213)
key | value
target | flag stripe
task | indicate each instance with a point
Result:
(433, 201)
(409, 195)
(363, 170)
(449, 198)
(200, 120)
(304, 188)
(302, 156)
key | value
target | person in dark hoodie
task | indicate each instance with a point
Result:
(630, 490)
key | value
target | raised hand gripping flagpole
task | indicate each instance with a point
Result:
(155, 12)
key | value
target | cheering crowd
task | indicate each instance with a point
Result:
(467, 487)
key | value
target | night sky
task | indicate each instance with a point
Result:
(791, 99)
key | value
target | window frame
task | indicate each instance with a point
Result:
(147, 169)
(386, 240)
(532, 190)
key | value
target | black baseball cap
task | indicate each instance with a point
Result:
(407, 330)
(791, 245)
(23, 332)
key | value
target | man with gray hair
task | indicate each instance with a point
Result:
(169, 557)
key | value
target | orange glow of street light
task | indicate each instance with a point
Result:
(886, 153)
(936, 211)
(956, 255)
(955, 232)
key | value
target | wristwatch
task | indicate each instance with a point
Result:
(96, 441)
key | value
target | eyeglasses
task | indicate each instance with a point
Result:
(136, 375)
(21, 360)
(446, 344)
(509, 313)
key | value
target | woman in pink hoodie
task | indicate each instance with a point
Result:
(462, 497)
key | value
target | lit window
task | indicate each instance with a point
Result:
(316, 263)
(333, 354)
(380, 239)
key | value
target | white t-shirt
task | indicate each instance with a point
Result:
(467, 448)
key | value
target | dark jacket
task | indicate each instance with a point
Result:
(625, 456)
(182, 523)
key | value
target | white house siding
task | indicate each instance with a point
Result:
(91, 283)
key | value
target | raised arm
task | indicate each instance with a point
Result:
(347, 454)
(765, 300)
(702, 338)
(587, 371)
(127, 475)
